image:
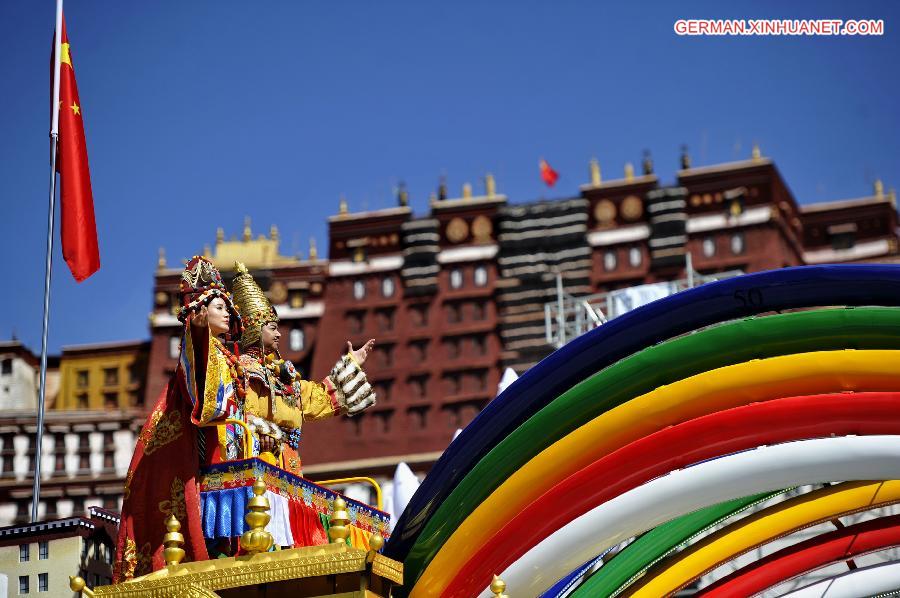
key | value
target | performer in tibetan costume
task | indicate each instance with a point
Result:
(207, 387)
(278, 401)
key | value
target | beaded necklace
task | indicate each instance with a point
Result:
(234, 366)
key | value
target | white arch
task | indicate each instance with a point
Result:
(859, 582)
(686, 490)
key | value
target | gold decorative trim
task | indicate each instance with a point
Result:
(387, 568)
(220, 574)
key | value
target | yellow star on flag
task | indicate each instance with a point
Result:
(64, 56)
(76, 109)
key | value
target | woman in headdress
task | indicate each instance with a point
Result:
(278, 401)
(207, 386)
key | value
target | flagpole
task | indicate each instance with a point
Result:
(42, 393)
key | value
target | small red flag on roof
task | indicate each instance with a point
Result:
(549, 175)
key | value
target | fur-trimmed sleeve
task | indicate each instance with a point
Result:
(351, 389)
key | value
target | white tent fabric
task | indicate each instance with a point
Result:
(686, 490)
(405, 485)
(859, 582)
(509, 376)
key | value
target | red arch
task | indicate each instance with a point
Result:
(707, 437)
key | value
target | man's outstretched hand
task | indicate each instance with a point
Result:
(361, 354)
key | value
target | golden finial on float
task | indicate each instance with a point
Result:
(220, 235)
(376, 541)
(467, 190)
(629, 171)
(490, 186)
(273, 232)
(76, 584)
(161, 259)
(313, 252)
(338, 530)
(596, 179)
(498, 587)
(173, 541)
(257, 539)
(755, 154)
(879, 188)
(343, 210)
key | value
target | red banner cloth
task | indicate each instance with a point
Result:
(549, 175)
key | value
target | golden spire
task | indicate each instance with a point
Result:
(467, 190)
(161, 259)
(343, 210)
(755, 154)
(257, 539)
(879, 188)
(892, 195)
(338, 531)
(220, 235)
(595, 172)
(313, 253)
(432, 197)
(247, 232)
(498, 587)
(207, 252)
(173, 541)
(490, 186)
(629, 171)
(273, 232)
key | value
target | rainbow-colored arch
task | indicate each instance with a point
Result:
(621, 411)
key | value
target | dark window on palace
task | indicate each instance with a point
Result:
(111, 400)
(134, 374)
(842, 237)
(59, 454)
(452, 313)
(110, 376)
(355, 321)
(419, 417)
(44, 550)
(384, 421)
(24, 585)
(418, 351)
(385, 355)
(451, 348)
(451, 384)
(385, 319)
(82, 378)
(43, 584)
(78, 506)
(479, 345)
(6, 367)
(419, 315)
(109, 452)
(419, 386)
(479, 310)
(454, 416)
(24, 553)
(84, 452)
(383, 389)
(355, 424)
(110, 503)
(82, 400)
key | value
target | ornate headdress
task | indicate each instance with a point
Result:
(200, 284)
(253, 304)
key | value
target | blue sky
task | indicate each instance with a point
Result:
(200, 113)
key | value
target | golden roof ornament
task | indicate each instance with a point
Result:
(248, 234)
(596, 179)
(490, 185)
(402, 195)
(273, 232)
(647, 163)
(257, 539)
(879, 188)
(313, 252)
(343, 210)
(467, 191)
(629, 171)
(220, 235)
(685, 158)
(755, 153)
(161, 259)
(255, 308)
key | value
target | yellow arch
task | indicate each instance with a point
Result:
(709, 392)
(763, 527)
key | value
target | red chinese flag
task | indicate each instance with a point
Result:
(79, 230)
(549, 175)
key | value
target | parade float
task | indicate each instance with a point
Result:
(632, 461)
